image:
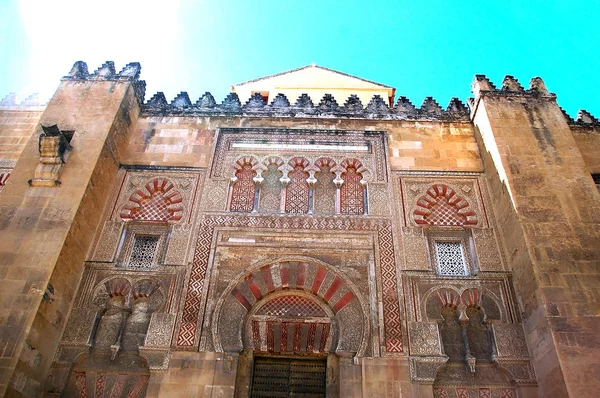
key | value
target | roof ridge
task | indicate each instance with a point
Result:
(313, 65)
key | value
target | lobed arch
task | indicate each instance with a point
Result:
(442, 206)
(272, 159)
(299, 161)
(437, 298)
(158, 201)
(355, 163)
(325, 162)
(299, 276)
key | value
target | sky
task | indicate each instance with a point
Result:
(422, 48)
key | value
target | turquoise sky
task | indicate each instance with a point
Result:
(431, 48)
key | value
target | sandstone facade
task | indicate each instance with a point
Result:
(302, 244)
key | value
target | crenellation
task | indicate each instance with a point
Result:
(328, 104)
(353, 104)
(457, 107)
(377, 108)
(32, 102)
(431, 107)
(206, 101)
(510, 83)
(280, 101)
(403, 105)
(256, 101)
(158, 100)
(586, 118)
(106, 71)
(231, 103)
(181, 100)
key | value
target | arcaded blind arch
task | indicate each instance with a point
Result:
(324, 192)
(270, 190)
(243, 190)
(297, 190)
(352, 192)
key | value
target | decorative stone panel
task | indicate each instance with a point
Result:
(177, 246)
(160, 330)
(510, 340)
(79, 327)
(424, 369)
(487, 250)
(367, 147)
(214, 195)
(415, 248)
(108, 241)
(424, 339)
(379, 199)
(462, 195)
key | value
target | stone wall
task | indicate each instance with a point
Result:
(46, 231)
(547, 210)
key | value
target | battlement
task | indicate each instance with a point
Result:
(107, 72)
(328, 107)
(482, 86)
(31, 103)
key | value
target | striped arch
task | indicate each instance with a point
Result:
(273, 159)
(442, 206)
(278, 299)
(325, 162)
(299, 161)
(243, 161)
(157, 202)
(355, 163)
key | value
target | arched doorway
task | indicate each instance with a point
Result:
(290, 332)
(290, 320)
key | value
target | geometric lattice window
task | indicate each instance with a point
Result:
(291, 306)
(143, 252)
(297, 191)
(352, 193)
(242, 196)
(450, 258)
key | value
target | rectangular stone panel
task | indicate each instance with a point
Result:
(424, 339)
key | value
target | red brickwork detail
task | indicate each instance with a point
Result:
(3, 178)
(99, 391)
(441, 206)
(284, 336)
(448, 297)
(80, 384)
(391, 306)
(324, 336)
(139, 385)
(297, 191)
(191, 317)
(244, 190)
(117, 389)
(256, 334)
(319, 278)
(270, 337)
(352, 193)
(157, 201)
